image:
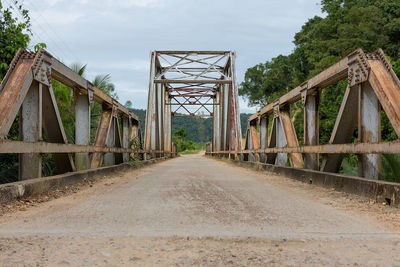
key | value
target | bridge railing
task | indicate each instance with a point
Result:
(27, 98)
(372, 85)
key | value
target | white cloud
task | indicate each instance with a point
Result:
(140, 3)
(125, 65)
(116, 36)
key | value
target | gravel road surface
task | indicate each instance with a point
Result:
(193, 210)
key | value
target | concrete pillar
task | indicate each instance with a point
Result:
(311, 131)
(30, 164)
(82, 129)
(369, 165)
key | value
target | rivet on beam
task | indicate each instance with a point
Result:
(303, 92)
(90, 90)
(358, 68)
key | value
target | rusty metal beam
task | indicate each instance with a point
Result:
(311, 128)
(170, 81)
(193, 93)
(263, 137)
(54, 130)
(14, 89)
(30, 165)
(21, 147)
(65, 75)
(82, 128)
(101, 136)
(254, 141)
(182, 52)
(328, 77)
(369, 131)
(192, 69)
(191, 115)
(353, 148)
(386, 86)
(296, 159)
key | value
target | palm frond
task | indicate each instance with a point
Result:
(78, 68)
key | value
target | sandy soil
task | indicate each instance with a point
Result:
(197, 211)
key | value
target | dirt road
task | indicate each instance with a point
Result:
(195, 210)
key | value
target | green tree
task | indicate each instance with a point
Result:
(179, 137)
(14, 33)
(128, 104)
(78, 68)
(321, 42)
(103, 82)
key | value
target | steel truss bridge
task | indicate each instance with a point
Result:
(193, 83)
(197, 83)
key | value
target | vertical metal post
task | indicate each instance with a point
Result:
(167, 120)
(226, 117)
(281, 158)
(134, 133)
(232, 124)
(311, 130)
(125, 137)
(250, 145)
(238, 128)
(103, 130)
(369, 131)
(82, 129)
(263, 137)
(150, 100)
(160, 112)
(30, 164)
(109, 158)
(254, 140)
(217, 121)
(153, 122)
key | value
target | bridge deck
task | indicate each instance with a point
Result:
(148, 215)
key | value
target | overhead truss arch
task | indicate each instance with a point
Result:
(193, 83)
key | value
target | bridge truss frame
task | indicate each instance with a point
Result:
(193, 83)
(372, 85)
(26, 92)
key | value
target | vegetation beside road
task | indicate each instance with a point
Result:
(322, 41)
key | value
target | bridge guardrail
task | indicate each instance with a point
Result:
(371, 85)
(26, 91)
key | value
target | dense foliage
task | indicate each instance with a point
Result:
(180, 138)
(347, 25)
(14, 33)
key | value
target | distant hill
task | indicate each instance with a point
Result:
(199, 129)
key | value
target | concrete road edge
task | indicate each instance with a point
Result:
(22, 189)
(380, 191)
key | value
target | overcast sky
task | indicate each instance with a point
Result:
(116, 36)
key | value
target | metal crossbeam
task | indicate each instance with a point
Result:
(193, 83)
